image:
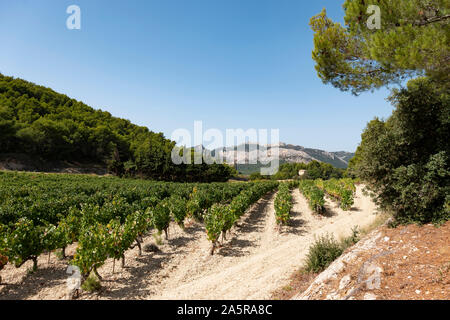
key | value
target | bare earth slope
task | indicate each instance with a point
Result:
(256, 259)
(406, 263)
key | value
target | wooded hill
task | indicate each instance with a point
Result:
(40, 122)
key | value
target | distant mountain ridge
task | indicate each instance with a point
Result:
(293, 153)
(287, 153)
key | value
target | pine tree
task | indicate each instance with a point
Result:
(412, 40)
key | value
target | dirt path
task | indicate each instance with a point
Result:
(254, 261)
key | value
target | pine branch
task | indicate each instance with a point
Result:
(432, 20)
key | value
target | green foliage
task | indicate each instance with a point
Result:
(93, 247)
(122, 236)
(341, 190)
(119, 239)
(177, 206)
(255, 176)
(215, 220)
(220, 217)
(405, 159)
(68, 229)
(161, 216)
(314, 195)
(247, 197)
(412, 40)
(3, 262)
(98, 241)
(283, 204)
(106, 215)
(54, 238)
(52, 198)
(353, 239)
(3, 247)
(204, 196)
(91, 284)
(322, 253)
(198, 202)
(41, 123)
(314, 170)
(25, 242)
(346, 199)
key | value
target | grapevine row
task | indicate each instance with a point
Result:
(283, 203)
(105, 227)
(313, 194)
(220, 218)
(340, 190)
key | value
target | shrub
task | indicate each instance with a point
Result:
(322, 253)
(405, 159)
(349, 241)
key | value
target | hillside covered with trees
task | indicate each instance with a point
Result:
(40, 122)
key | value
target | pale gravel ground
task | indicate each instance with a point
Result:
(255, 260)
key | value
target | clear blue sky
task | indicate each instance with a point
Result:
(165, 63)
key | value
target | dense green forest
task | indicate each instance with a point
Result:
(40, 122)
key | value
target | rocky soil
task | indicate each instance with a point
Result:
(406, 263)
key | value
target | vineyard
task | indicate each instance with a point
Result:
(341, 191)
(220, 217)
(99, 220)
(314, 195)
(108, 216)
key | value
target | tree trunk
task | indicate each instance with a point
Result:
(63, 252)
(114, 263)
(166, 231)
(123, 261)
(96, 273)
(213, 248)
(84, 277)
(48, 260)
(35, 265)
(138, 243)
